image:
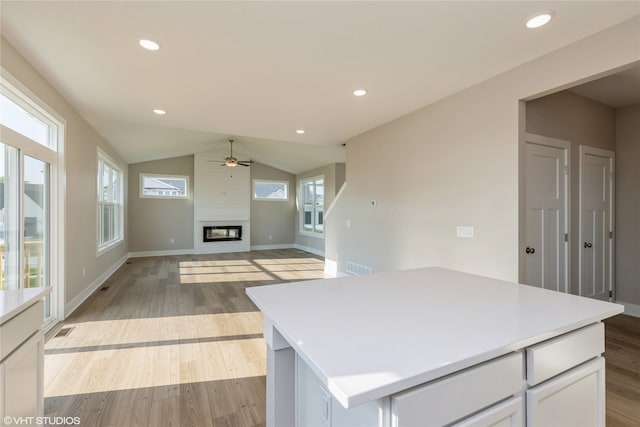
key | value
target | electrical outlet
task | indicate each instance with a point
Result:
(374, 203)
(464, 231)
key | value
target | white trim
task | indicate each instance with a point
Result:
(310, 250)
(269, 247)
(630, 309)
(89, 290)
(172, 252)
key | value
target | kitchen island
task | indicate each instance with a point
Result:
(430, 347)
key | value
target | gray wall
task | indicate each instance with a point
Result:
(628, 205)
(334, 176)
(459, 166)
(154, 222)
(80, 159)
(565, 115)
(272, 221)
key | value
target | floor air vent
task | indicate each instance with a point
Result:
(357, 269)
(64, 332)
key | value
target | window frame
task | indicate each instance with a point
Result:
(103, 247)
(302, 231)
(269, 181)
(162, 196)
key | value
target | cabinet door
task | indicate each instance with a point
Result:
(575, 398)
(21, 376)
(505, 414)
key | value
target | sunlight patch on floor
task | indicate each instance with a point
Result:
(140, 367)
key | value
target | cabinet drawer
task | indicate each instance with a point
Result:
(15, 331)
(505, 414)
(557, 355)
(458, 395)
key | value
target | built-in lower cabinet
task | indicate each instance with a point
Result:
(575, 398)
(21, 379)
(504, 414)
(557, 382)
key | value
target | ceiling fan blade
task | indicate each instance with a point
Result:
(243, 164)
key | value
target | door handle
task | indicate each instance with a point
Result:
(587, 245)
(530, 250)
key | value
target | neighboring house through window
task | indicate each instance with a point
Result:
(270, 190)
(312, 221)
(164, 186)
(110, 203)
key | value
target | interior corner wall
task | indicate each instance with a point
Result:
(332, 173)
(459, 166)
(80, 161)
(581, 121)
(628, 205)
(272, 221)
(158, 225)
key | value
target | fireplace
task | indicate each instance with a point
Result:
(221, 233)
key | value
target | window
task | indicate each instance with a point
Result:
(164, 186)
(110, 221)
(31, 211)
(270, 190)
(313, 206)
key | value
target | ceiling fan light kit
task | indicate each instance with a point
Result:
(232, 162)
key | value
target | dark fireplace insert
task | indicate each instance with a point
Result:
(221, 233)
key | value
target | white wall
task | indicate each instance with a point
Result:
(459, 166)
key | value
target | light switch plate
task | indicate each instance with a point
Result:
(464, 231)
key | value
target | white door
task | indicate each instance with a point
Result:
(596, 222)
(544, 249)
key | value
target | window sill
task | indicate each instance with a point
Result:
(108, 247)
(311, 234)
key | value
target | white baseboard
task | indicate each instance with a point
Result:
(269, 247)
(630, 309)
(161, 253)
(310, 250)
(89, 290)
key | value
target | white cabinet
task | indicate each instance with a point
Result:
(505, 414)
(21, 379)
(21, 354)
(575, 398)
(459, 395)
(567, 375)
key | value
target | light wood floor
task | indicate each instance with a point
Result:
(174, 341)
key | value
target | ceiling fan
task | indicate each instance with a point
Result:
(232, 162)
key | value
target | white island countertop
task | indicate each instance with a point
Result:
(367, 337)
(13, 301)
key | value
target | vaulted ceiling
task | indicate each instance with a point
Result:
(258, 71)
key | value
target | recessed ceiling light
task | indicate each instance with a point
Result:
(300, 131)
(148, 44)
(360, 92)
(159, 112)
(539, 19)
